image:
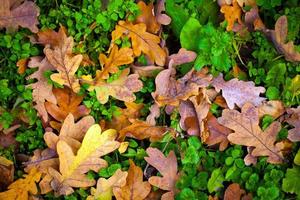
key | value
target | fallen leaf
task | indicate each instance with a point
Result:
(272, 108)
(67, 102)
(279, 37)
(294, 120)
(167, 167)
(7, 140)
(72, 167)
(238, 92)
(253, 20)
(6, 172)
(51, 37)
(24, 15)
(41, 90)
(217, 133)
(122, 88)
(248, 133)
(142, 130)
(161, 18)
(183, 56)
(23, 188)
(22, 65)
(146, 71)
(104, 190)
(232, 14)
(154, 113)
(173, 91)
(147, 17)
(135, 188)
(65, 62)
(234, 192)
(142, 41)
(117, 57)
(72, 133)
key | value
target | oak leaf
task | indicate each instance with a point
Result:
(238, 92)
(161, 18)
(65, 62)
(135, 188)
(279, 37)
(23, 188)
(167, 167)
(248, 133)
(142, 130)
(122, 88)
(154, 113)
(173, 91)
(51, 37)
(142, 41)
(14, 14)
(6, 172)
(22, 65)
(72, 167)
(294, 120)
(72, 133)
(147, 17)
(117, 57)
(234, 192)
(41, 90)
(232, 14)
(183, 56)
(217, 133)
(67, 102)
(273, 108)
(104, 190)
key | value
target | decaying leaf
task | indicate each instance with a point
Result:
(154, 113)
(72, 167)
(104, 190)
(294, 120)
(135, 188)
(183, 56)
(217, 133)
(117, 57)
(234, 192)
(67, 102)
(167, 167)
(279, 37)
(142, 41)
(42, 90)
(72, 133)
(146, 71)
(6, 172)
(23, 188)
(7, 139)
(160, 16)
(142, 130)
(13, 14)
(272, 108)
(122, 88)
(22, 65)
(65, 63)
(173, 91)
(232, 14)
(147, 17)
(238, 92)
(247, 132)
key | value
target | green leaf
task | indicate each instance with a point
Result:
(191, 156)
(297, 158)
(215, 182)
(272, 93)
(189, 34)
(290, 183)
(276, 75)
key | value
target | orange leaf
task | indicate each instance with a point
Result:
(234, 192)
(135, 188)
(51, 37)
(6, 172)
(142, 41)
(147, 17)
(117, 57)
(232, 14)
(22, 65)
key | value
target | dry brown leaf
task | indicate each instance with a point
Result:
(142, 130)
(67, 102)
(183, 56)
(42, 90)
(23, 188)
(146, 71)
(72, 168)
(294, 120)
(117, 57)
(238, 92)
(147, 17)
(272, 108)
(234, 192)
(65, 62)
(154, 113)
(217, 133)
(167, 167)
(72, 133)
(22, 65)
(173, 91)
(248, 133)
(51, 37)
(253, 20)
(104, 190)
(7, 139)
(232, 14)
(6, 172)
(13, 15)
(142, 41)
(160, 16)
(122, 88)
(135, 188)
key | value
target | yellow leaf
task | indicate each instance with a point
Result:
(123, 147)
(21, 189)
(73, 167)
(232, 14)
(142, 41)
